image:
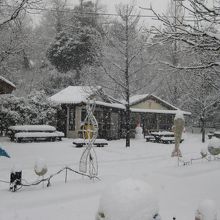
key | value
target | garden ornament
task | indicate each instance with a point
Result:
(178, 127)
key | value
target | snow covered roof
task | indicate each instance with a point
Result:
(138, 98)
(7, 86)
(111, 105)
(161, 111)
(74, 94)
(81, 94)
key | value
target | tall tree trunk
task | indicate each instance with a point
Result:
(203, 127)
(128, 125)
(77, 77)
(127, 92)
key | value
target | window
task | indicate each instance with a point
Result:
(72, 118)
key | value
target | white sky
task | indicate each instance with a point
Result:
(160, 5)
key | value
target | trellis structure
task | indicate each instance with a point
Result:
(88, 162)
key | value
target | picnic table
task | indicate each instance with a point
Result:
(165, 137)
(34, 132)
(80, 142)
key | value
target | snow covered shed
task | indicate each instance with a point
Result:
(73, 100)
(6, 86)
(150, 111)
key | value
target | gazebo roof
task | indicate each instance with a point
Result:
(74, 94)
(6, 86)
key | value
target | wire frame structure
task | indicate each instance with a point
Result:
(88, 161)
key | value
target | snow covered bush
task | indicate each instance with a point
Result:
(129, 199)
(35, 109)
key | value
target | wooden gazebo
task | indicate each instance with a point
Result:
(6, 86)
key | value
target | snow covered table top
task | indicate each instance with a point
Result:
(39, 134)
(79, 142)
(163, 133)
(32, 128)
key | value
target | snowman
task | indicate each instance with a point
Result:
(139, 132)
(129, 199)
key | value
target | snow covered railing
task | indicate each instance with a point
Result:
(80, 142)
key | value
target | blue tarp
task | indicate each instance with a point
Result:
(3, 153)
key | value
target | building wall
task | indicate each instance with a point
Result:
(112, 121)
(149, 104)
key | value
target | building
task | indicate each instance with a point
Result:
(150, 111)
(6, 86)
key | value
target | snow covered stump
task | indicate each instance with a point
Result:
(206, 210)
(129, 199)
(178, 127)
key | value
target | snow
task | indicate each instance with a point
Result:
(179, 115)
(129, 199)
(161, 111)
(214, 142)
(137, 98)
(40, 134)
(74, 94)
(40, 166)
(32, 128)
(81, 141)
(81, 94)
(111, 105)
(207, 210)
(179, 190)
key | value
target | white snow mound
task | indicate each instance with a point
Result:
(179, 115)
(214, 142)
(207, 210)
(128, 200)
(40, 164)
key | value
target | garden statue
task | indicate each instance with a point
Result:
(90, 133)
(129, 199)
(178, 127)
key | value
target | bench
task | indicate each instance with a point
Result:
(150, 138)
(29, 128)
(165, 137)
(36, 136)
(80, 142)
(210, 135)
(167, 140)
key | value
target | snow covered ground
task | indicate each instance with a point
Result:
(179, 189)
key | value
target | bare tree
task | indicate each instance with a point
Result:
(12, 10)
(124, 57)
(198, 31)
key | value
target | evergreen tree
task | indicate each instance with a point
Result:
(78, 44)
